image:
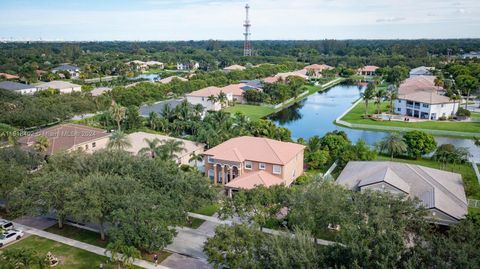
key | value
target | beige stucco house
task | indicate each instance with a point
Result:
(69, 137)
(246, 162)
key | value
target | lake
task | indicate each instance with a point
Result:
(150, 77)
(315, 115)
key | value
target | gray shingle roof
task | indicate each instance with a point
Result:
(14, 86)
(435, 188)
(159, 106)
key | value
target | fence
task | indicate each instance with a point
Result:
(473, 203)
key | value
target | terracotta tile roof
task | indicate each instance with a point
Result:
(234, 89)
(257, 149)
(422, 89)
(254, 179)
(169, 79)
(297, 73)
(368, 68)
(100, 90)
(319, 67)
(435, 188)
(234, 67)
(272, 79)
(65, 136)
(137, 141)
(206, 92)
(8, 76)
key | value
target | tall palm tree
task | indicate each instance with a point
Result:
(368, 95)
(153, 120)
(454, 96)
(222, 98)
(391, 95)
(379, 95)
(198, 110)
(118, 141)
(153, 148)
(393, 144)
(195, 158)
(167, 112)
(118, 113)
(171, 146)
(41, 144)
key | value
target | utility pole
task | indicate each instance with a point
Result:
(247, 48)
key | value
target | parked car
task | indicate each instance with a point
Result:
(10, 236)
(6, 225)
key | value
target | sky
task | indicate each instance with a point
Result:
(71, 20)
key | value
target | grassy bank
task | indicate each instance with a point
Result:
(256, 112)
(252, 111)
(356, 116)
(472, 187)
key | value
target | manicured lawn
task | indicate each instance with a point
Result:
(70, 257)
(357, 113)
(208, 210)
(194, 223)
(251, 111)
(93, 238)
(472, 188)
(78, 234)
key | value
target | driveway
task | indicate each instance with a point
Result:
(177, 261)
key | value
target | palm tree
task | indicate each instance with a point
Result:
(171, 146)
(391, 95)
(454, 96)
(222, 98)
(118, 141)
(368, 95)
(379, 95)
(122, 254)
(23, 258)
(198, 110)
(167, 112)
(118, 113)
(152, 120)
(212, 99)
(153, 149)
(41, 144)
(393, 144)
(195, 158)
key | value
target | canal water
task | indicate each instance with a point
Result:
(315, 115)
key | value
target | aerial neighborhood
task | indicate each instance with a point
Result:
(239, 154)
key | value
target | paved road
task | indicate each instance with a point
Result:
(74, 243)
(177, 261)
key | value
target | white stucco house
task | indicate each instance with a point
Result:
(202, 96)
(419, 97)
(73, 70)
(421, 71)
(18, 87)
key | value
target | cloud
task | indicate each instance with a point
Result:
(392, 19)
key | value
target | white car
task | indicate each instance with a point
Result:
(10, 236)
(6, 225)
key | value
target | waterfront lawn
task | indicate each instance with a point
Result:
(252, 111)
(472, 188)
(356, 116)
(70, 257)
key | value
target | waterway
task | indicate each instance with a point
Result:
(315, 115)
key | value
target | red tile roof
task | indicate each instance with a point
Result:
(254, 179)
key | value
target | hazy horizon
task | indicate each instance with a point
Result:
(184, 20)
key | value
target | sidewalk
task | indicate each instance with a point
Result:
(77, 244)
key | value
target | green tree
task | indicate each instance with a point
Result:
(19, 258)
(419, 143)
(171, 147)
(467, 84)
(41, 144)
(153, 148)
(118, 141)
(118, 114)
(122, 255)
(368, 95)
(195, 158)
(392, 144)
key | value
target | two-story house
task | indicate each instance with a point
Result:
(418, 97)
(202, 97)
(73, 70)
(246, 162)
